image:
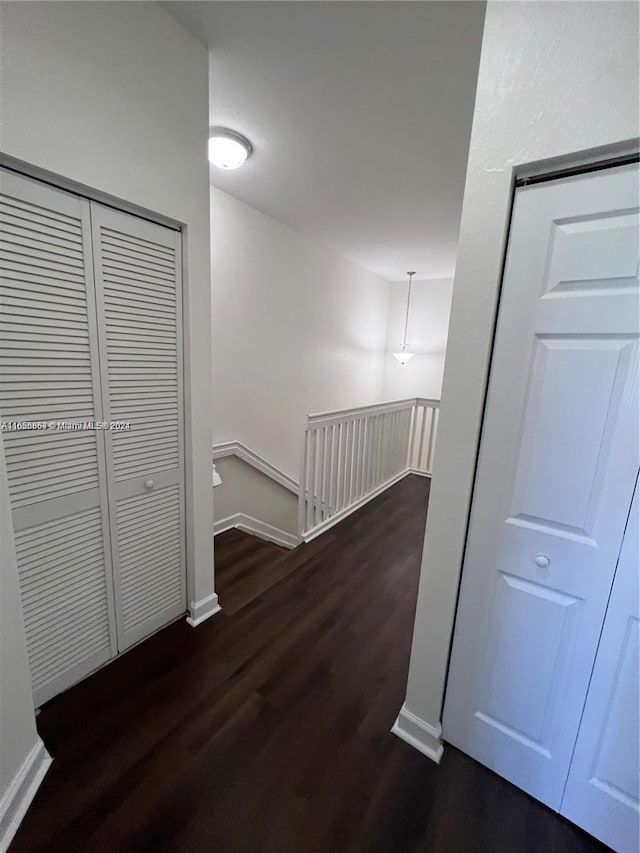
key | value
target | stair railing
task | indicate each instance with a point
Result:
(352, 455)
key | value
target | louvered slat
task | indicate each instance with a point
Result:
(139, 325)
(48, 372)
(151, 561)
(139, 297)
(59, 483)
(64, 596)
(40, 318)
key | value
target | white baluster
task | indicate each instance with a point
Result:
(332, 471)
(362, 429)
(342, 464)
(317, 470)
(408, 437)
(303, 494)
(423, 427)
(368, 433)
(432, 438)
(351, 452)
(387, 450)
(376, 450)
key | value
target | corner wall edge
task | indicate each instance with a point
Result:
(201, 610)
(419, 734)
(20, 793)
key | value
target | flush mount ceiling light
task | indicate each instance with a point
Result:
(228, 149)
(404, 356)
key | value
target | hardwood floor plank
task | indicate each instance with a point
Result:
(267, 728)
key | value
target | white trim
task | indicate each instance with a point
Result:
(67, 185)
(237, 448)
(225, 524)
(267, 531)
(375, 408)
(419, 734)
(20, 793)
(248, 524)
(347, 511)
(201, 610)
(415, 471)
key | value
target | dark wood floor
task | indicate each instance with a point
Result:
(247, 567)
(266, 729)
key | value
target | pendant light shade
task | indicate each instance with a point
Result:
(403, 356)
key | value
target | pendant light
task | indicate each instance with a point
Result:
(403, 356)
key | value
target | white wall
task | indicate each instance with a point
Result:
(246, 490)
(18, 735)
(297, 329)
(115, 96)
(426, 337)
(555, 78)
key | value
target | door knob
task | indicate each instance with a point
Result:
(542, 561)
(149, 484)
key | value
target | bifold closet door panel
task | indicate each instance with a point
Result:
(138, 290)
(602, 794)
(49, 379)
(556, 472)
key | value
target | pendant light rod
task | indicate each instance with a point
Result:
(403, 356)
(406, 319)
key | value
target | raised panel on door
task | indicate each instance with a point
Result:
(138, 290)
(602, 793)
(49, 375)
(556, 472)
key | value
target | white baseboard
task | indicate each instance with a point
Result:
(225, 524)
(421, 735)
(415, 471)
(202, 610)
(258, 528)
(18, 796)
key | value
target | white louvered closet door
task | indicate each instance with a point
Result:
(138, 292)
(49, 373)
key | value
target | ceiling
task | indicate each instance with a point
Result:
(359, 114)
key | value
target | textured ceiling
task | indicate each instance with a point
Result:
(359, 114)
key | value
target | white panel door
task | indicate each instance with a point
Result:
(602, 792)
(556, 472)
(49, 375)
(139, 298)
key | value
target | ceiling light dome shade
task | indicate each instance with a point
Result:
(228, 149)
(403, 357)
